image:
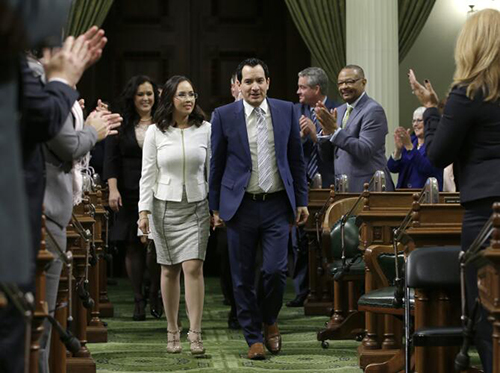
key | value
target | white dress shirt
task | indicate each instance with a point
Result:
(251, 122)
(174, 160)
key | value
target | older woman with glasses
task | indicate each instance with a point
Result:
(409, 159)
(173, 189)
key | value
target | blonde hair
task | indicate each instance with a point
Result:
(477, 55)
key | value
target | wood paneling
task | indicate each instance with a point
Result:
(202, 39)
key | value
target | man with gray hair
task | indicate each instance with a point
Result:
(312, 88)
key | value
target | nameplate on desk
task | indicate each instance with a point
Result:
(455, 200)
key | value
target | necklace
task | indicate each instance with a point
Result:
(145, 120)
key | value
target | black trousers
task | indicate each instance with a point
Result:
(476, 215)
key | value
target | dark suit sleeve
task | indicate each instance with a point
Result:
(112, 158)
(444, 136)
(45, 107)
(296, 161)
(326, 150)
(371, 136)
(217, 161)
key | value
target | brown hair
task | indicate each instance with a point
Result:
(165, 112)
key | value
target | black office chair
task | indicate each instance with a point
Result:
(431, 268)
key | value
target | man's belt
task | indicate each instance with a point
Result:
(264, 196)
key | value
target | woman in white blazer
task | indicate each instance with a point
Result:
(173, 189)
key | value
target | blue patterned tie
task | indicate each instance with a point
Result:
(312, 165)
(263, 151)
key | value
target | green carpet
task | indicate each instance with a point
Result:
(140, 346)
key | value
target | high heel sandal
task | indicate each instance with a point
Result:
(174, 342)
(195, 342)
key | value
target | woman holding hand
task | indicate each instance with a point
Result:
(173, 189)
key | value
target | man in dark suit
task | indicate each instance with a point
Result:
(257, 184)
(354, 133)
(312, 87)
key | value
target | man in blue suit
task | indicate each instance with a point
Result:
(257, 185)
(312, 87)
(354, 133)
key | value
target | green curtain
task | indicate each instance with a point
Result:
(85, 14)
(321, 23)
(412, 15)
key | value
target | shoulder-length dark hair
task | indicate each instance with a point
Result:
(126, 106)
(164, 115)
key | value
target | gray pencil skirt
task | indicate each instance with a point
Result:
(180, 230)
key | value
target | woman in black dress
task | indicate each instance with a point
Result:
(122, 169)
(468, 135)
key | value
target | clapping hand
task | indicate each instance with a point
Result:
(307, 127)
(96, 42)
(104, 122)
(402, 139)
(425, 94)
(76, 55)
(101, 106)
(327, 119)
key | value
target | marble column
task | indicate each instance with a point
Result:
(372, 43)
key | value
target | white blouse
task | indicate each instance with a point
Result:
(172, 160)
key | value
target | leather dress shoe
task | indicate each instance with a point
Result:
(256, 352)
(298, 301)
(272, 338)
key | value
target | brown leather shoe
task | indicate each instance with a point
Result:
(272, 337)
(256, 352)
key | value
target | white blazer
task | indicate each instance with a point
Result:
(173, 159)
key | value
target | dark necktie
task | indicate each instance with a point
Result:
(312, 165)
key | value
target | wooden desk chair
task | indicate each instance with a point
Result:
(347, 272)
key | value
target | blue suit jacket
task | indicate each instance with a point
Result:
(231, 163)
(326, 169)
(358, 150)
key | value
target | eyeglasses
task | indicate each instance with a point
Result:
(417, 120)
(348, 82)
(183, 96)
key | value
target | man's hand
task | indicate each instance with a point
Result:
(327, 119)
(105, 123)
(75, 56)
(217, 221)
(302, 215)
(426, 95)
(68, 63)
(307, 127)
(96, 40)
